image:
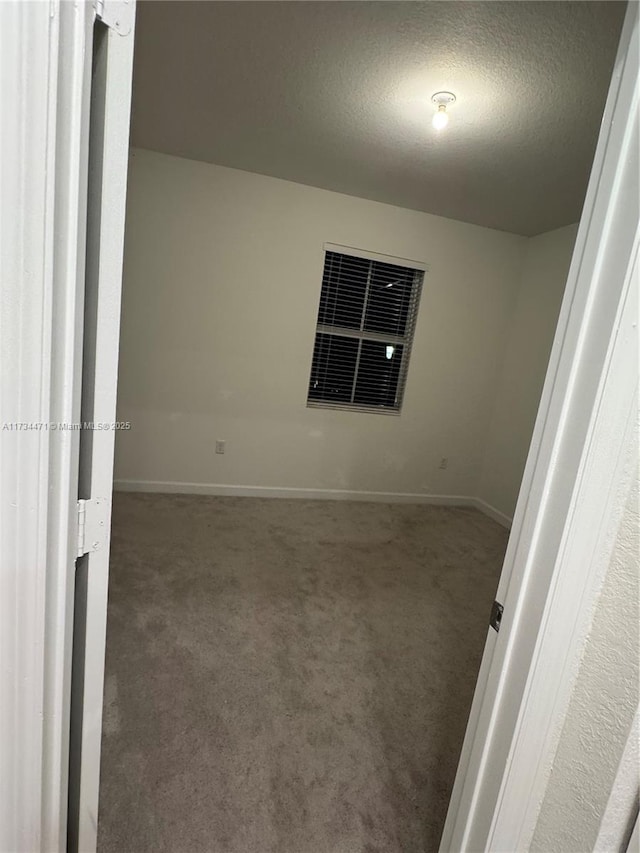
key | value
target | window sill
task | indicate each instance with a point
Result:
(350, 407)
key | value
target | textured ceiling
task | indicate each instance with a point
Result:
(337, 95)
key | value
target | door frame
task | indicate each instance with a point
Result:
(577, 475)
(43, 195)
(44, 192)
(46, 51)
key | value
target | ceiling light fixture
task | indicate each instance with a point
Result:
(442, 100)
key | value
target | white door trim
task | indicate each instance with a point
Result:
(43, 191)
(609, 464)
(549, 584)
(45, 60)
(69, 223)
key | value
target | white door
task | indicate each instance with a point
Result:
(110, 104)
(550, 577)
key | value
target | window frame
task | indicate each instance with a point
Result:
(420, 269)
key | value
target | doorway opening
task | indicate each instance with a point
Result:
(300, 595)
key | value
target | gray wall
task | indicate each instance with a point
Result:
(222, 282)
(524, 366)
(221, 287)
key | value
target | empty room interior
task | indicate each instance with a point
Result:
(349, 227)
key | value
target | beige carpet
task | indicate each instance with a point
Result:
(289, 676)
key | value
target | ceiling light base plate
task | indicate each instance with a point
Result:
(443, 98)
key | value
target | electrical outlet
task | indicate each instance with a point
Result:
(220, 446)
(444, 463)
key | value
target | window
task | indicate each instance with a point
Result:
(363, 338)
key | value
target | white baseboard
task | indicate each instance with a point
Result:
(223, 489)
(493, 513)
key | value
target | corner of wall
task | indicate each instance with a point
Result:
(482, 491)
(524, 360)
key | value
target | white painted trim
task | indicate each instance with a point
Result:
(492, 512)
(519, 701)
(221, 489)
(42, 183)
(606, 474)
(74, 75)
(375, 256)
(28, 65)
(173, 487)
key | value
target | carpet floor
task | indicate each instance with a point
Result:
(289, 676)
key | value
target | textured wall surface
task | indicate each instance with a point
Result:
(337, 95)
(524, 366)
(602, 707)
(221, 290)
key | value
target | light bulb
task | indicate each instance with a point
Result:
(442, 100)
(440, 119)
